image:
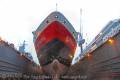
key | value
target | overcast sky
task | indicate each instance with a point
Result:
(18, 18)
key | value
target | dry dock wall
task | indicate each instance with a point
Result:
(102, 64)
(12, 62)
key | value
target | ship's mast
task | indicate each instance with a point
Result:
(22, 47)
(56, 6)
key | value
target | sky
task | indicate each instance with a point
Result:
(18, 18)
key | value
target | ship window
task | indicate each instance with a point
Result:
(56, 16)
(47, 21)
(64, 22)
(74, 33)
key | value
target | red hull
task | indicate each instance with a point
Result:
(55, 30)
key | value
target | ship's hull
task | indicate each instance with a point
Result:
(58, 43)
(55, 42)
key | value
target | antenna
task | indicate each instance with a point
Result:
(56, 6)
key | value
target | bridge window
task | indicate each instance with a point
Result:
(56, 16)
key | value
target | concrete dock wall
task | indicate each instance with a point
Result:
(102, 64)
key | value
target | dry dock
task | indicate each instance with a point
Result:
(15, 65)
(101, 64)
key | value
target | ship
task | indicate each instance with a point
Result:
(101, 58)
(55, 42)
